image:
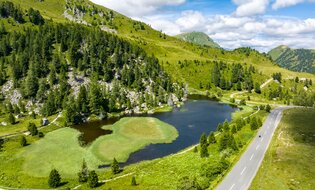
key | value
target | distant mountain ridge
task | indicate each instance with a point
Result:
(301, 60)
(198, 38)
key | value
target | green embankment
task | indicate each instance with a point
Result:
(289, 161)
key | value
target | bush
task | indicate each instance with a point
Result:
(187, 184)
(212, 169)
(41, 134)
(23, 141)
(268, 108)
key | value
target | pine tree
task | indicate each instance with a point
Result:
(268, 108)
(253, 123)
(203, 140)
(115, 167)
(220, 127)
(32, 129)
(93, 179)
(54, 179)
(203, 151)
(226, 126)
(41, 90)
(11, 119)
(23, 141)
(84, 173)
(31, 82)
(133, 181)
(195, 149)
(257, 88)
(233, 130)
(211, 138)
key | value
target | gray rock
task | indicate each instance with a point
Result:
(45, 122)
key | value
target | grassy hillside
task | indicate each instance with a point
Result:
(169, 50)
(198, 38)
(289, 161)
(301, 60)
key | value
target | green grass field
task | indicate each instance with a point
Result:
(60, 149)
(289, 161)
(131, 134)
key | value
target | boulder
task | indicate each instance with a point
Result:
(45, 122)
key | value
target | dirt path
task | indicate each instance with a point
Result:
(265, 83)
(108, 180)
(19, 133)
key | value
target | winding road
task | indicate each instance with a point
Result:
(244, 171)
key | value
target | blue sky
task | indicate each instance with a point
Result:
(261, 24)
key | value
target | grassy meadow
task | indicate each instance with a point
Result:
(289, 161)
(60, 149)
(131, 134)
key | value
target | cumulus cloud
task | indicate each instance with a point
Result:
(135, 8)
(191, 20)
(230, 31)
(247, 26)
(250, 7)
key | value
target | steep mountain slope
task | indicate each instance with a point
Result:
(198, 38)
(301, 60)
(169, 50)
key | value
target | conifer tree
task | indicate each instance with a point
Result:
(11, 119)
(115, 167)
(54, 179)
(84, 173)
(133, 181)
(31, 82)
(211, 138)
(23, 141)
(93, 179)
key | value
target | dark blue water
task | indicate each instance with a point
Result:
(196, 116)
(191, 120)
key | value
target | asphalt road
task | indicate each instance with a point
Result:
(244, 171)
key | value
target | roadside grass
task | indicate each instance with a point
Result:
(129, 135)
(289, 161)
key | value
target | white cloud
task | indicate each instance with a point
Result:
(191, 20)
(286, 3)
(135, 8)
(262, 32)
(245, 27)
(250, 7)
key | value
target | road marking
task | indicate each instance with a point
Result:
(257, 147)
(251, 157)
(232, 186)
(243, 170)
(262, 139)
(268, 127)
